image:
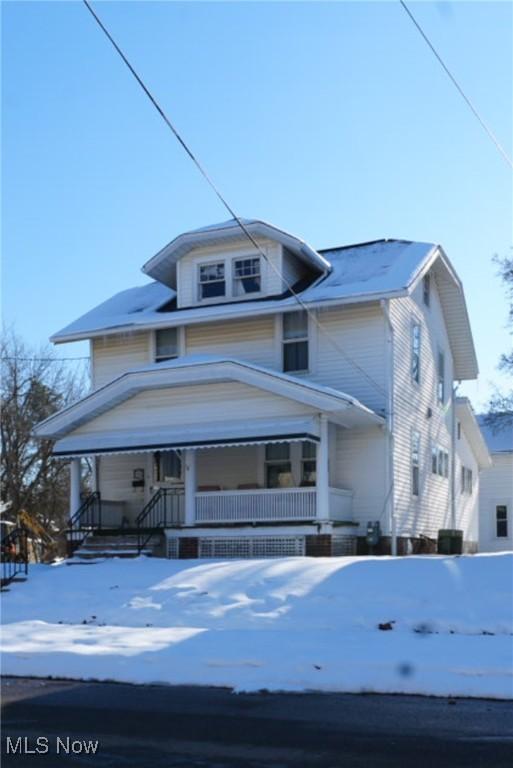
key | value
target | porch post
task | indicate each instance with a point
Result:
(74, 486)
(190, 486)
(323, 498)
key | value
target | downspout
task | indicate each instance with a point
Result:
(390, 485)
(453, 457)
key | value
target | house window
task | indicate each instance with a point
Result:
(458, 429)
(466, 480)
(501, 518)
(426, 290)
(308, 464)
(440, 391)
(295, 341)
(439, 461)
(415, 353)
(166, 344)
(211, 280)
(168, 466)
(415, 463)
(246, 276)
(278, 467)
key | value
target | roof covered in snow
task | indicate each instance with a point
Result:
(498, 434)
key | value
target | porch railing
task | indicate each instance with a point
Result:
(86, 519)
(270, 504)
(165, 509)
(14, 555)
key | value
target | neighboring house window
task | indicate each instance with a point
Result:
(295, 341)
(308, 464)
(501, 518)
(415, 352)
(466, 480)
(168, 466)
(426, 290)
(246, 276)
(211, 280)
(459, 430)
(166, 344)
(440, 391)
(415, 463)
(278, 467)
(439, 461)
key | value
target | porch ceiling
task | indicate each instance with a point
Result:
(251, 432)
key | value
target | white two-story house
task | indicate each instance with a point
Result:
(273, 400)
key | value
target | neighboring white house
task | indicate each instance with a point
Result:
(238, 421)
(496, 487)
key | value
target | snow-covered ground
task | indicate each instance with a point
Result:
(291, 624)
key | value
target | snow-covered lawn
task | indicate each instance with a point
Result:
(292, 624)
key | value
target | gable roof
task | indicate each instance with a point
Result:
(204, 369)
(162, 266)
(499, 437)
(382, 269)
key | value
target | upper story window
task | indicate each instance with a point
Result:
(440, 388)
(415, 353)
(211, 280)
(295, 341)
(426, 290)
(166, 344)
(246, 276)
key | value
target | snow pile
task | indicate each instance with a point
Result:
(427, 625)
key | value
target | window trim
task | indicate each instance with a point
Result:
(235, 279)
(226, 280)
(415, 450)
(414, 325)
(306, 338)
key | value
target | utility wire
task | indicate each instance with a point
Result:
(44, 359)
(222, 199)
(458, 87)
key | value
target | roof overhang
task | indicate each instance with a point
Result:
(341, 408)
(162, 266)
(467, 418)
(454, 307)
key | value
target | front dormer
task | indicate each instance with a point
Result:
(220, 264)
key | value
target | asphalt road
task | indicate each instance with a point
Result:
(160, 726)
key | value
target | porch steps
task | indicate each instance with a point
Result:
(100, 546)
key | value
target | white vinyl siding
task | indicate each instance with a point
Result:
(359, 464)
(251, 340)
(496, 489)
(415, 408)
(114, 355)
(193, 405)
(115, 476)
(467, 504)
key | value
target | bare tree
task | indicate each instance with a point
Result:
(500, 415)
(33, 386)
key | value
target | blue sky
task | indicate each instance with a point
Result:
(332, 120)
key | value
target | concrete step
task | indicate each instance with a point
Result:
(88, 554)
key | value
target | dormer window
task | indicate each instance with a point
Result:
(212, 282)
(246, 276)
(166, 344)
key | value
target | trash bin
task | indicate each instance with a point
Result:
(450, 541)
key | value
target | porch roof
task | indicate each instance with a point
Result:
(188, 371)
(195, 436)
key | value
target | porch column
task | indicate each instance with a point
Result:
(322, 483)
(190, 486)
(74, 486)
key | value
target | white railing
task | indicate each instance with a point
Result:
(270, 504)
(254, 506)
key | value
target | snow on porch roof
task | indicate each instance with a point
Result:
(195, 436)
(205, 369)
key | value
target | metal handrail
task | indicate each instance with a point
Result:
(165, 508)
(14, 555)
(88, 517)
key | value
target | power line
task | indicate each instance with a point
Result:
(460, 90)
(43, 359)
